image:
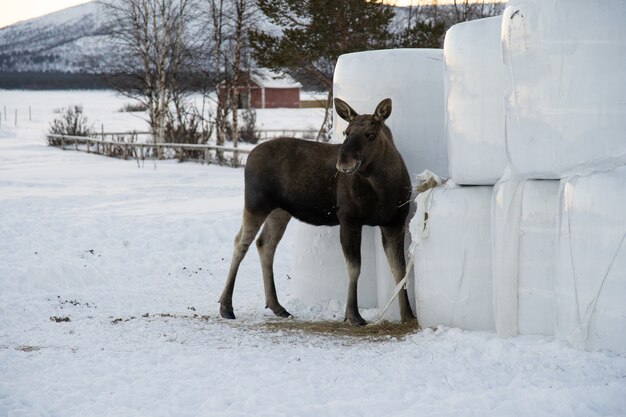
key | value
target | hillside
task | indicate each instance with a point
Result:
(66, 41)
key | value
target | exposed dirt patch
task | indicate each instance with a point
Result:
(372, 332)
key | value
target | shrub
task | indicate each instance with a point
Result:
(133, 108)
(188, 127)
(71, 122)
(247, 131)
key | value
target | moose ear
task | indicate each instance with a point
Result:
(383, 110)
(344, 111)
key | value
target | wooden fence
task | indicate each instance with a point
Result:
(141, 151)
(262, 134)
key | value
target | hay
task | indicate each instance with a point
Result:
(372, 332)
(426, 185)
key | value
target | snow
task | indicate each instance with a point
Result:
(136, 259)
(270, 79)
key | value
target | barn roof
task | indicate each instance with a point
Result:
(269, 79)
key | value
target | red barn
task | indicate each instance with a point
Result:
(265, 89)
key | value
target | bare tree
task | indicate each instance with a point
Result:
(229, 21)
(153, 47)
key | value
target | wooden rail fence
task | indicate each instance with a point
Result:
(141, 151)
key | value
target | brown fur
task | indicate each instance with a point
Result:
(361, 182)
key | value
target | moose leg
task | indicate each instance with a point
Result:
(272, 233)
(350, 236)
(393, 242)
(249, 228)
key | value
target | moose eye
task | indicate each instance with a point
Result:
(345, 133)
(371, 136)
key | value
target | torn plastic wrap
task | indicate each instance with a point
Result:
(525, 218)
(474, 94)
(453, 283)
(413, 79)
(564, 86)
(319, 267)
(590, 282)
(424, 182)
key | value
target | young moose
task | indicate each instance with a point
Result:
(361, 182)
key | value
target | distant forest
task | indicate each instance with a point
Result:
(59, 80)
(31, 80)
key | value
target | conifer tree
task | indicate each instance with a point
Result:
(314, 33)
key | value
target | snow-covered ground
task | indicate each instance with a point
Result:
(109, 280)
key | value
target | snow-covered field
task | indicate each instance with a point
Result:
(109, 281)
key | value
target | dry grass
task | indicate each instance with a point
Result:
(372, 332)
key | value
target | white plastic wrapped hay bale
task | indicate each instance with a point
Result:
(565, 89)
(453, 284)
(319, 268)
(525, 218)
(590, 282)
(413, 79)
(474, 94)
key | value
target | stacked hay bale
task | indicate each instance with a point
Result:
(413, 79)
(528, 235)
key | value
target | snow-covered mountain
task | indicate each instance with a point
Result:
(69, 40)
(66, 41)
(73, 39)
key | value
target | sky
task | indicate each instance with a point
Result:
(12, 11)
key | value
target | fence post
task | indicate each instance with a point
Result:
(15, 117)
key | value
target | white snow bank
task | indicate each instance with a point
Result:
(565, 89)
(524, 225)
(591, 262)
(453, 284)
(474, 94)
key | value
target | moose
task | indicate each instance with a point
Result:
(363, 181)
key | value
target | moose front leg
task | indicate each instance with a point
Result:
(393, 242)
(350, 236)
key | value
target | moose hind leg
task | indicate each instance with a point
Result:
(268, 240)
(249, 228)
(393, 242)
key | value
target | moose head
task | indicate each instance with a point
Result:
(362, 142)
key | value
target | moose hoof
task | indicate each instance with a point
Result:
(284, 314)
(409, 319)
(356, 321)
(281, 312)
(227, 312)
